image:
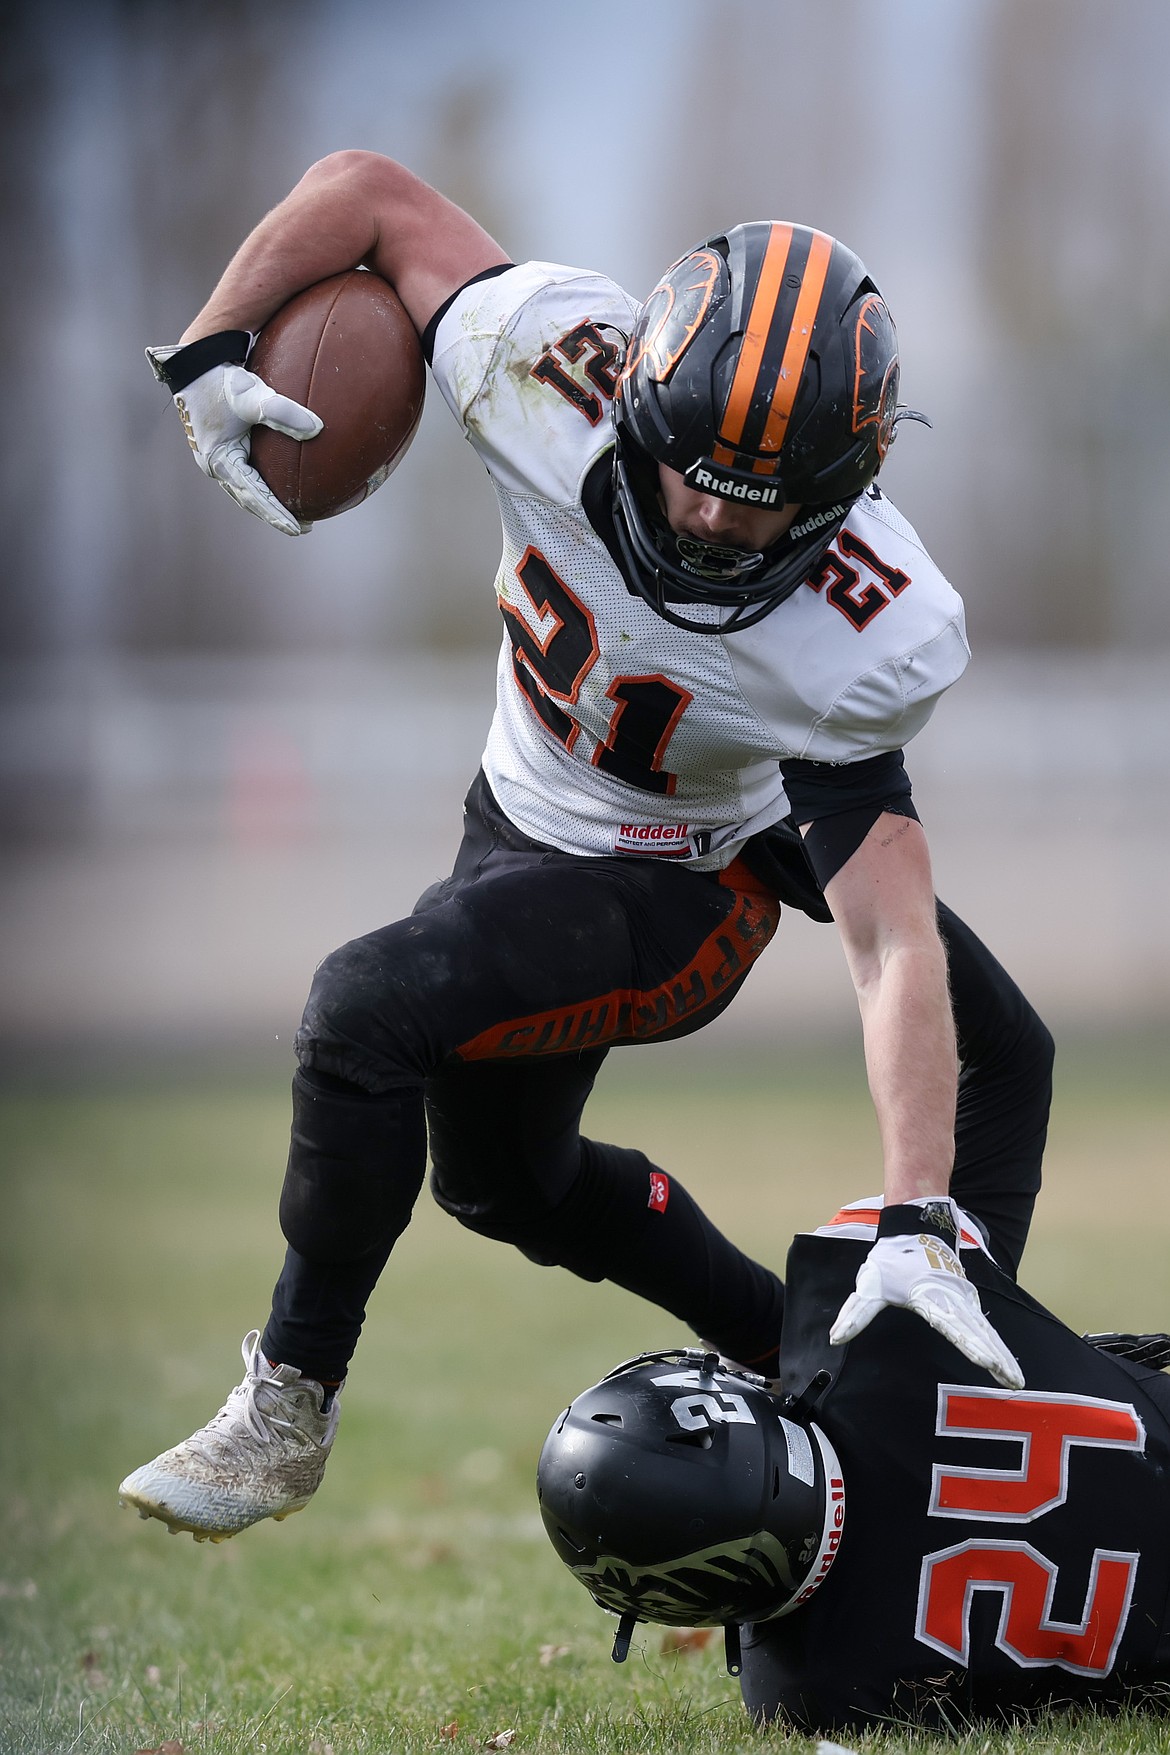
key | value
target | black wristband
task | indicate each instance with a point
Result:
(229, 347)
(934, 1216)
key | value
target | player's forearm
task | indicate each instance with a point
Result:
(913, 1069)
(883, 902)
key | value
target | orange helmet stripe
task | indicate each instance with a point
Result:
(799, 341)
(755, 340)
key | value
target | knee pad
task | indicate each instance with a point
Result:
(355, 1166)
(505, 1144)
(359, 1021)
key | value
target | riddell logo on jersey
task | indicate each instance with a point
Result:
(816, 522)
(708, 482)
(659, 1191)
(669, 839)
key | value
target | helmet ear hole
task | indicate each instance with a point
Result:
(700, 1440)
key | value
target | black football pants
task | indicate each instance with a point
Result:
(483, 1020)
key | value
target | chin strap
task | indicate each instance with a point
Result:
(731, 1646)
(621, 1639)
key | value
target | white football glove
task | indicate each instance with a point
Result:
(919, 1271)
(218, 411)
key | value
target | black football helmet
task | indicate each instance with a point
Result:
(763, 368)
(679, 1490)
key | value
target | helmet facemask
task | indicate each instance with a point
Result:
(667, 568)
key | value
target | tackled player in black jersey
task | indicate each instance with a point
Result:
(1001, 1550)
(902, 1539)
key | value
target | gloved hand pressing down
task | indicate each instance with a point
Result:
(219, 402)
(915, 1265)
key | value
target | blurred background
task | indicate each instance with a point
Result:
(223, 752)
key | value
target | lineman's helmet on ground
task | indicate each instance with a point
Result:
(763, 368)
(680, 1491)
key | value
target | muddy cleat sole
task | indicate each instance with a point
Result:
(176, 1527)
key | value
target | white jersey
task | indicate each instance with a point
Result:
(614, 730)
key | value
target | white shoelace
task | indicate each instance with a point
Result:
(245, 1403)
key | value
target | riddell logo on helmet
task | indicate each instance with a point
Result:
(707, 482)
(830, 1542)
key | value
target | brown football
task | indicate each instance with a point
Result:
(346, 349)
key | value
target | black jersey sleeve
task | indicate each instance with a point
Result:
(824, 789)
(839, 804)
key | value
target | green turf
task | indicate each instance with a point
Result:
(418, 1591)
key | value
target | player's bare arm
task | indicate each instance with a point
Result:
(883, 903)
(351, 207)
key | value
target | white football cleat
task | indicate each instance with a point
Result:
(263, 1455)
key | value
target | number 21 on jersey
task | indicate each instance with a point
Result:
(1047, 1429)
(550, 668)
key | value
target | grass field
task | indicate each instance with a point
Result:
(418, 1592)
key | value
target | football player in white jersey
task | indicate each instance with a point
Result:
(718, 637)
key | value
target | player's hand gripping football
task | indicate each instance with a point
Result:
(913, 1266)
(218, 411)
